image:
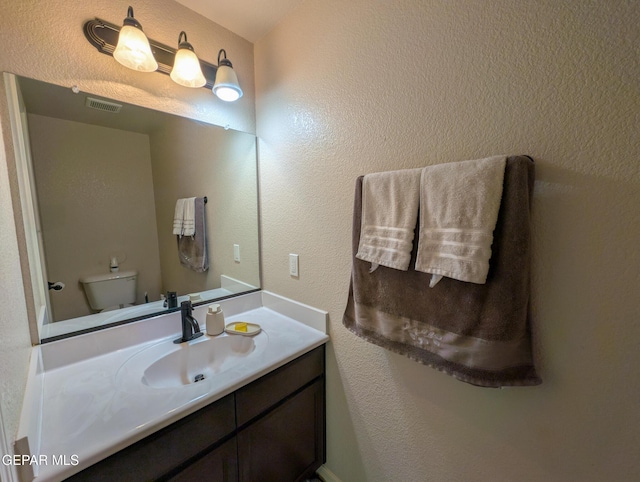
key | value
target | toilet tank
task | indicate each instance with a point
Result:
(112, 289)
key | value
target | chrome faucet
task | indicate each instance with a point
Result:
(190, 327)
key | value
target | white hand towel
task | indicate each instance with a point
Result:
(459, 204)
(389, 215)
(178, 217)
(189, 218)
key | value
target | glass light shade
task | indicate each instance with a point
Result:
(186, 69)
(133, 50)
(226, 86)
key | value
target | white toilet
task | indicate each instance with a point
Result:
(110, 291)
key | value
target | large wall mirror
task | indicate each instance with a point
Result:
(102, 178)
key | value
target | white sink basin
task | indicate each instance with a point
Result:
(168, 365)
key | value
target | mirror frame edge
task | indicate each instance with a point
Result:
(10, 130)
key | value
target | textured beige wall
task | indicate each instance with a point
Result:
(95, 192)
(347, 88)
(191, 159)
(44, 40)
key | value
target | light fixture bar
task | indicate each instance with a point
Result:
(104, 37)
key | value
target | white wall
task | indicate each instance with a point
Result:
(95, 192)
(191, 159)
(347, 88)
(44, 40)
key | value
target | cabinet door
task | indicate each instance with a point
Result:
(221, 465)
(287, 444)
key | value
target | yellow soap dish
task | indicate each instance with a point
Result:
(243, 328)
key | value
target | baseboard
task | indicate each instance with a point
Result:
(327, 475)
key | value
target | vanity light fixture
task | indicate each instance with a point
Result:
(221, 78)
(226, 86)
(186, 66)
(133, 49)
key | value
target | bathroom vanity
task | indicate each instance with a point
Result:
(123, 403)
(271, 429)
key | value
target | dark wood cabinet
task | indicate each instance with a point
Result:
(270, 430)
(286, 443)
(266, 392)
(220, 465)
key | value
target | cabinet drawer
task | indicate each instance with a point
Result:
(265, 392)
(161, 452)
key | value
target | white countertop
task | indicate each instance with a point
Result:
(90, 411)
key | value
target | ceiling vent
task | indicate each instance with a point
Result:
(103, 105)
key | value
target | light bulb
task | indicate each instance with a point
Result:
(186, 66)
(133, 49)
(227, 94)
(226, 86)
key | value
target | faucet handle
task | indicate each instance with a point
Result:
(186, 307)
(190, 326)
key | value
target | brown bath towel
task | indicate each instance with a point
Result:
(192, 250)
(477, 333)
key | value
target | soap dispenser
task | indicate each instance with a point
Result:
(215, 320)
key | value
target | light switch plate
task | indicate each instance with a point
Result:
(293, 265)
(236, 253)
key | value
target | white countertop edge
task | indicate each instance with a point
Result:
(30, 439)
